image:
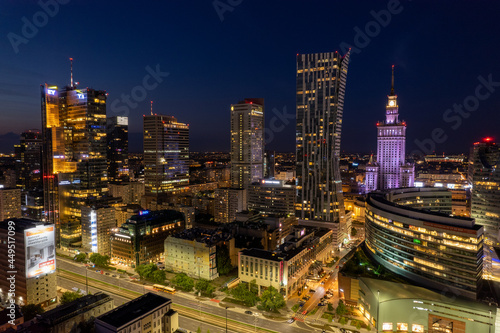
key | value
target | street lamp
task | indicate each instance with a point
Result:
(378, 306)
(226, 318)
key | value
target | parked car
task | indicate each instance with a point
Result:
(249, 312)
(290, 321)
(321, 304)
(312, 290)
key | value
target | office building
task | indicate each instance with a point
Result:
(34, 262)
(74, 163)
(272, 196)
(29, 157)
(117, 153)
(130, 192)
(484, 177)
(391, 169)
(193, 252)
(434, 250)
(228, 202)
(10, 203)
(166, 155)
(141, 239)
(321, 83)
(247, 142)
(270, 164)
(149, 313)
(70, 317)
(97, 223)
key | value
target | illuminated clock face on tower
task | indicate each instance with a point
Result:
(391, 103)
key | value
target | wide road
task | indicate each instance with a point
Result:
(180, 299)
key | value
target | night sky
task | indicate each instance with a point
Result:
(247, 48)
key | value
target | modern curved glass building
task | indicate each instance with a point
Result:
(433, 249)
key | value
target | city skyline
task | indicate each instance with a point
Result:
(402, 40)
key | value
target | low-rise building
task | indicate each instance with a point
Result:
(149, 313)
(130, 192)
(68, 317)
(193, 251)
(11, 317)
(228, 202)
(141, 239)
(286, 268)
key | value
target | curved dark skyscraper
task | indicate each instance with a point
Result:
(321, 81)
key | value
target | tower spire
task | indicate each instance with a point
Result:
(151, 107)
(392, 82)
(71, 61)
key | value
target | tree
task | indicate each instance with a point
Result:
(245, 294)
(223, 260)
(354, 232)
(99, 260)
(271, 300)
(330, 307)
(31, 310)
(341, 309)
(198, 330)
(183, 282)
(70, 296)
(80, 257)
(146, 271)
(358, 324)
(205, 288)
(158, 276)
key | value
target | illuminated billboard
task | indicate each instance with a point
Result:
(40, 250)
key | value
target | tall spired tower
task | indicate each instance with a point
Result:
(391, 167)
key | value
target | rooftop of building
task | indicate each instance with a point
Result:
(392, 291)
(71, 309)
(23, 223)
(133, 310)
(155, 216)
(201, 235)
(379, 200)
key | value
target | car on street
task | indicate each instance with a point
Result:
(312, 290)
(249, 312)
(114, 275)
(321, 304)
(306, 298)
(304, 312)
(290, 321)
(106, 273)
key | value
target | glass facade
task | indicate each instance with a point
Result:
(427, 249)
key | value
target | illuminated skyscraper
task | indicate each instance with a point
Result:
(247, 142)
(29, 157)
(166, 155)
(74, 156)
(391, 167)
(321, 82)
(117, 139)
(484, 177)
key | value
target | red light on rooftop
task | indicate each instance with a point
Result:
(488, 139)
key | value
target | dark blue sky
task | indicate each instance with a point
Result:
(439, 50)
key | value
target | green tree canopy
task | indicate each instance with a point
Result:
(341, 309)
(205, 288)
(80, 257)
(69, 296)
(99, 260)
(158, 276)
(146, 271)
(223, 260)
(183, 282)
(271, 300)
(246, 294)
